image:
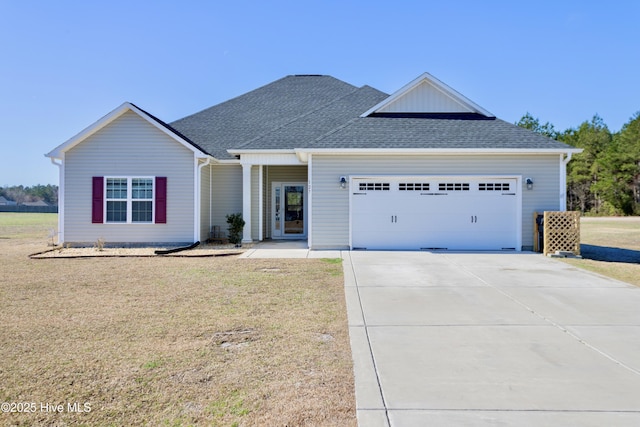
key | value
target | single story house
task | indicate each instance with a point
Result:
(39, 203)
(312, 157)
(6, 202)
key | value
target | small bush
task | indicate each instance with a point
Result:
(99, 245)
(236, 224)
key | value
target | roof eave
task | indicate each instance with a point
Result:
(57, 152)
(462, 151)
(409, 150)
(303, 153)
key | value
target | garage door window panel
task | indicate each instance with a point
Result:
(493, 186)
(453, 186)
(374, 186)
(413, 186)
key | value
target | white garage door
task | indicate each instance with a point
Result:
(454, 213)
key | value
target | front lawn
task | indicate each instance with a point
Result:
(170, 341)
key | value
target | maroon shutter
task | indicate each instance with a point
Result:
(161, 200)
(97, 203)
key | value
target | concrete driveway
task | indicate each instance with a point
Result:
(484, 339)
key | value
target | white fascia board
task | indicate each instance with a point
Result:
(239, 152)
(88, 131)
(304, 153)
(267, 157)
(198, 153)
(226, 161)
(459, 151)
(109, 118)
(457, 96)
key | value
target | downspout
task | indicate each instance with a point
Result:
(60, 198)
(198, 196)
(210, 199)
(563, 180)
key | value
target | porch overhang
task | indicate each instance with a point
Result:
(268, 157)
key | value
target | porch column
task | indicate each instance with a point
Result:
(260, 203)
(246, 203)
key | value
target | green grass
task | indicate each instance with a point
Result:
(16, 225)
(19, 219)
(614, 233)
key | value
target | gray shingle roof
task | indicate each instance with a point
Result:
(399, 132)
(271, 108)
(304, 129)
(323, 112)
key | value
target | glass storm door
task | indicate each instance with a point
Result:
(288, 212)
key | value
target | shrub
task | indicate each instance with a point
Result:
(236, 224)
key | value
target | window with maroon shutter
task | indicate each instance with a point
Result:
(129, 200)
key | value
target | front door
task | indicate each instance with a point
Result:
(288, 210)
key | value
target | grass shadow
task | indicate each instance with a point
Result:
(608, 254)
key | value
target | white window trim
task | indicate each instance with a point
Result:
(129, 199)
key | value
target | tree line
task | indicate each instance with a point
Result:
(21, 194)
(605, 178)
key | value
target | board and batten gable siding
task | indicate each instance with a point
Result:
(129, 147)
(425, 98)
(330, 208)
(226, 194)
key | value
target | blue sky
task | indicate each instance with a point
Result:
(65, 64)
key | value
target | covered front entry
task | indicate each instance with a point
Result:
(436, 212)
(289, 219)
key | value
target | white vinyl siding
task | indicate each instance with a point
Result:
(226, 194)
(129, 147)
(205, 203)
(330, 210)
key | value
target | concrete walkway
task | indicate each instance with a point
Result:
(482, 339)
(286, 249)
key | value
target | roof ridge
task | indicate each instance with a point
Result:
(308, 113)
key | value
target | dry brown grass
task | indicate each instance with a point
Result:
(622, 233)
(171, 341)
